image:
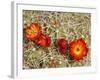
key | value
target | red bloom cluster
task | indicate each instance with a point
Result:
(78, 48)
(34, 32)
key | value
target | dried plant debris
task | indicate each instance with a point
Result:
(43, 29)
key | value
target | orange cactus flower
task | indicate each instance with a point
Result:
(33, 31)
(78, 49)
(44, 40)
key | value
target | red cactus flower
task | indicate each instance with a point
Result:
(62, 43)
(78, 49)
(33, 31)
(44, 40)
(63, 51)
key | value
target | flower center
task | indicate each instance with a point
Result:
(34, 31)
(77, 49)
